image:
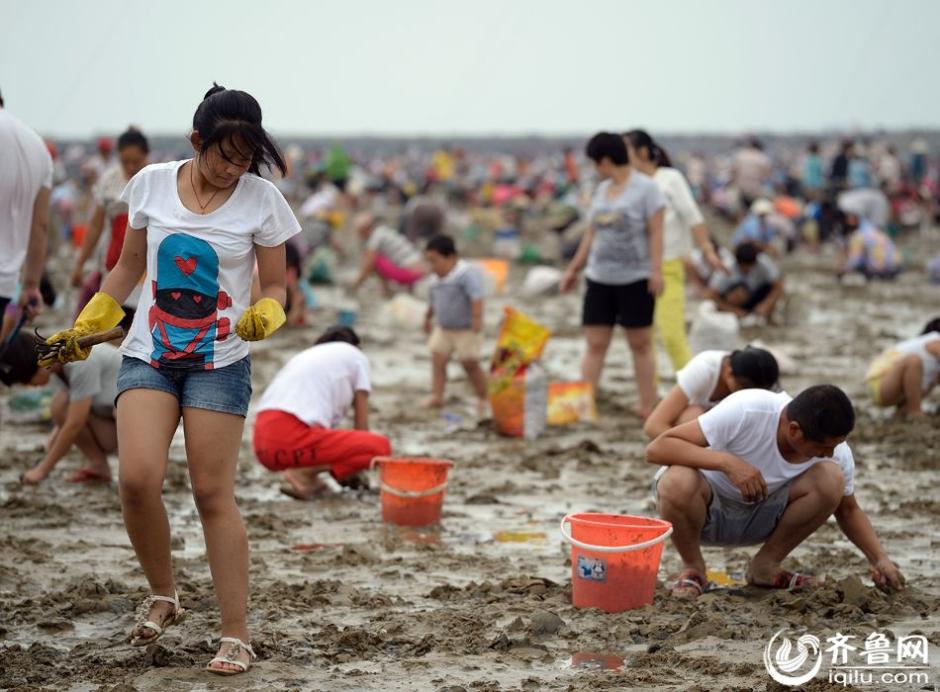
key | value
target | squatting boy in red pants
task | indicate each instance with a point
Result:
(295, 431)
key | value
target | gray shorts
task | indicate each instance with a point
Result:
(734, 523)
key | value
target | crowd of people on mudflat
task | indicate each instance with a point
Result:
(196, 253)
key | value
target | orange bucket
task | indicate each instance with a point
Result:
(614, 559)
(412, 489)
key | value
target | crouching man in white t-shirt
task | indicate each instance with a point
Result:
(762, 468)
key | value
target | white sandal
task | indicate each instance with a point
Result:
(232, 657)
(144, 612)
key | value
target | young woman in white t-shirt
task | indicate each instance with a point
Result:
(904, 374)
(195, 230)
(682, 221)
(111, 212)
(707, 379)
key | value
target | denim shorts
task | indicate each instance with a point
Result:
(227, 390)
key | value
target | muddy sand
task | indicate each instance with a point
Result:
(341, 602)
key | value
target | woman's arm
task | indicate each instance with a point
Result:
(578, 261)
(92, 235)
(361, 411)
(666, 413)
(130, 266)
(272, 272)
(654, 227)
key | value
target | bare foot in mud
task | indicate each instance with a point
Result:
(432, 402)
(302, 484)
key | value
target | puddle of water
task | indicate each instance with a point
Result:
(589, 660)
(519, 536)
(313, 547)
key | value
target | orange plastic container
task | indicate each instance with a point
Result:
(412, 489)
(614, 559)
(78, 234)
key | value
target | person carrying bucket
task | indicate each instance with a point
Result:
(762, 468)
(296, 428)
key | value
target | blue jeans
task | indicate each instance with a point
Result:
(227, 390)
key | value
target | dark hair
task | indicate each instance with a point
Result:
(338, 333)
(228, 113)
(18, 363)
(425, 220)
(755, 143)
(822, 412)
(746, 253)
(442, 245)
(754, 368)
(607, 145)
(813, 147)
(1, 100)
(932, 326)
(640, 139)
(132, 137)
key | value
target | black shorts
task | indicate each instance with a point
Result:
(754, 298)
(629, 305)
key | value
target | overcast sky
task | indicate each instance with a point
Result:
(484, 66)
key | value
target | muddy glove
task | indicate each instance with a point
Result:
(261, 320)
(101, 314)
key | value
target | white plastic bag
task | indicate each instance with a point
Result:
(541, 281)
(407, 311)
(714, 330)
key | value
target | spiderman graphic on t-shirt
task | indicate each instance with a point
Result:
(184, 318)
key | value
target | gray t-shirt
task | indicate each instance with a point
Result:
(452, 296)
(95, 378)
(762, 273)
(620, 253)
(394, 246)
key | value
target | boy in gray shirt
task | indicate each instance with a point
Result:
(454, 319)
(82, 409)
(754, 285)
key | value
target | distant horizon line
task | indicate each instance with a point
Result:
(482, 135)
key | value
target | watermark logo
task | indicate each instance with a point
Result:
(784, 663)
(853, 660)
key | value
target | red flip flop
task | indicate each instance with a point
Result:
(88, 475)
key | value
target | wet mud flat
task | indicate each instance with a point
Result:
(341, 602)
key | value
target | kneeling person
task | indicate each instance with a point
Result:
(296, 428)
(706, 380)
(755, 285)
(762, 468)
(82, 408)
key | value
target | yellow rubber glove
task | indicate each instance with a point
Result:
(261, 320)
(101, 314)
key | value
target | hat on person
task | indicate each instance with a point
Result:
(762, 207)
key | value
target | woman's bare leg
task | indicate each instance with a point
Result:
(146, 422)
(213, 440)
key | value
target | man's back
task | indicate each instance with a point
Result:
(25, 168)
